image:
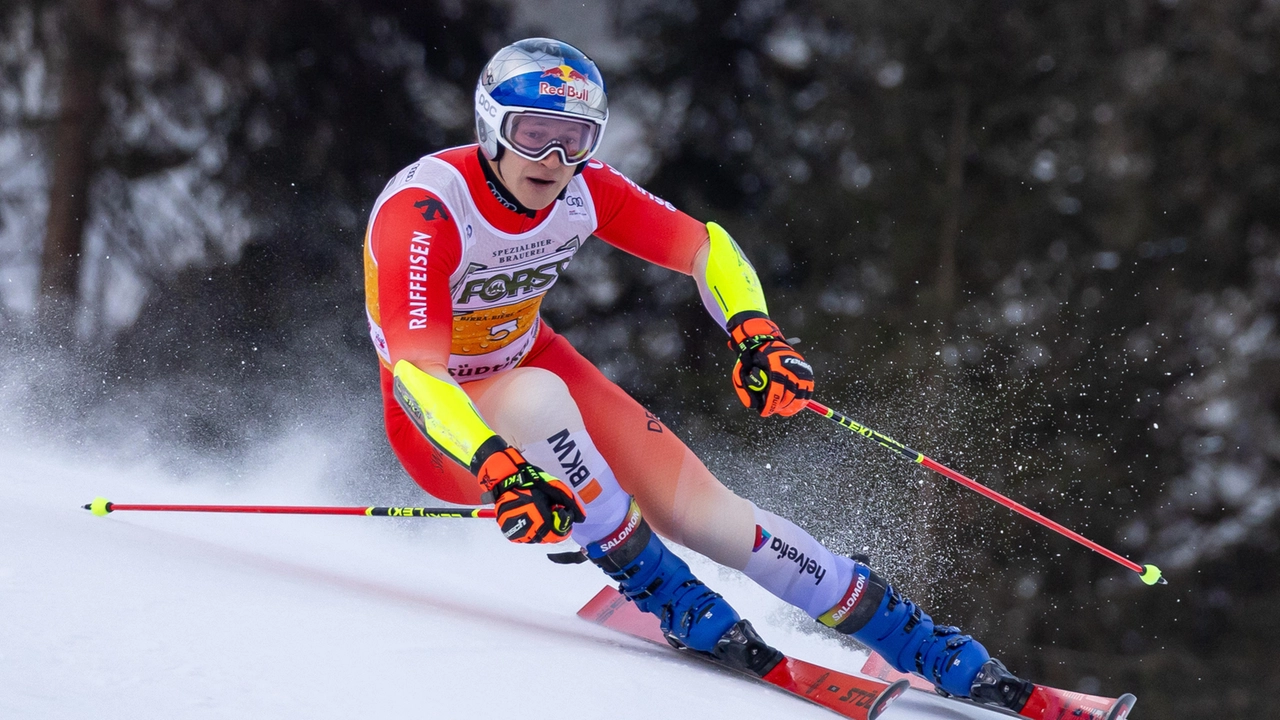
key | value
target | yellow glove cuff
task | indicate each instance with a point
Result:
(729, 281)
(443, 412)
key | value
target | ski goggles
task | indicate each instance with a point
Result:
(534, 136)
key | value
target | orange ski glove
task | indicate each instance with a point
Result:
(770, 376)
(530, 505)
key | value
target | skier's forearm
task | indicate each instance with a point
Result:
(770, 376)
(726, 280)
(441, 410)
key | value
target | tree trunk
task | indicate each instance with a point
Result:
(933, 530)
(79, 116)
(958, 140)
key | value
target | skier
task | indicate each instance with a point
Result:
(484, 402)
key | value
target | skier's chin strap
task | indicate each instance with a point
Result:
(498, 189)
(728, 283)
(493, 178)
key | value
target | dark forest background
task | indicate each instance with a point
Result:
(1038, 241)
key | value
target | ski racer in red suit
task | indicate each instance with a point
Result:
(484, 402)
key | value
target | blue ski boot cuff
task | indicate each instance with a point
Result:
(858, 606)
(904, 635)
(619, 549)
(660, 583)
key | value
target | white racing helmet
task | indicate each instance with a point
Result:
(540, 96)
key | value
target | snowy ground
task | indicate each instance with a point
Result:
(149, 615)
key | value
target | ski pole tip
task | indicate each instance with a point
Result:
(100, 506)
(1151, 575)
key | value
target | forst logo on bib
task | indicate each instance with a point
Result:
(493, 285)
(507, 285)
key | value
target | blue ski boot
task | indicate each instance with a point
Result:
(692, 616)
(896, 628)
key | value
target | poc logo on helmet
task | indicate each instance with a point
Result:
(484, 103)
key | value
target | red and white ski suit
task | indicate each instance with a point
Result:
(455, 276)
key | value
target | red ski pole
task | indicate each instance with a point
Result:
(101, 506)
(1150, 574)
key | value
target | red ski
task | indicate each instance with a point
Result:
(847, 695)
(1045, 703)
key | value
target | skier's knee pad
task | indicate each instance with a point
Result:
(527, 402)
(659, 582)
(896, 628)
(532, 409)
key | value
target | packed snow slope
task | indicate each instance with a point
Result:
(151, 615)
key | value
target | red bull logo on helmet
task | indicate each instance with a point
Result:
(570, 85)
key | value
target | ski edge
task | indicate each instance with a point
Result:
(609, 609)
(1097, 706)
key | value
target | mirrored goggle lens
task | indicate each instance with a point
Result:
(535, 136)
